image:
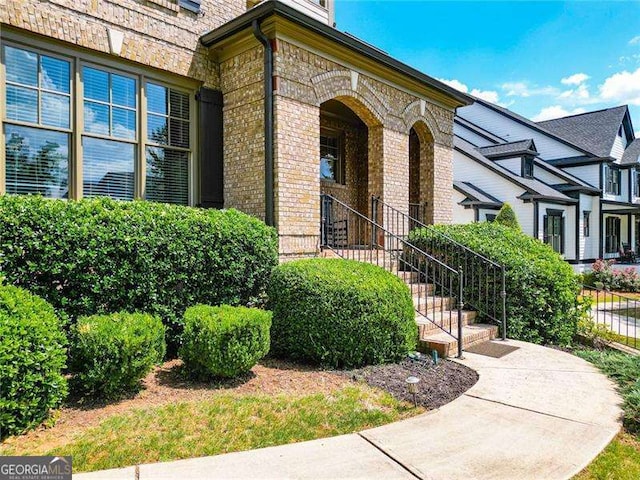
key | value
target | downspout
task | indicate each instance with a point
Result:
(268, 123)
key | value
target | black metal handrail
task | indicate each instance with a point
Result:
(484, 281)
(436, 288)
(618, 314)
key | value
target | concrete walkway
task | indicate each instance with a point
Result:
(536, 413)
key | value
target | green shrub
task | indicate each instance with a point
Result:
(542, 290)
(624, 369)
(603, 275)
(340, 313)
(224, 341)
(507, 217)
(110, 354)
(102, 256)
(32, 357)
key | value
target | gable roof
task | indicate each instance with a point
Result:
(533, 188)
(631, 153)
(475, 195)
(533, 125)
(517, 148)
(595, 131)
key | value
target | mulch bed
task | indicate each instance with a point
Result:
(439, 384)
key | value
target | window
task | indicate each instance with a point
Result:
(636, 182)
(331, 164)
(490, 217)
(38, 123)
(124, 152)
(586, 223)
(527, 167)
(167, 154)
(612, 234)
(554, 230)
(612, 180)
(110, 138)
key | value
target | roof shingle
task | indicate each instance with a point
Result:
(594, 131)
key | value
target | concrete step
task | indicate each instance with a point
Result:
(447, 346)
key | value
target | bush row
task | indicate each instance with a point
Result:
(542, 289)
(101, 256)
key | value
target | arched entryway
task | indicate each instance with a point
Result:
(421, 172)
(350, 158)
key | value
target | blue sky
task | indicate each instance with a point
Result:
(540, 59)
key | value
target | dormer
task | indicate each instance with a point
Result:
(518, 157)
(321, 10)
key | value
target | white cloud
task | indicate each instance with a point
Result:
(575, 79)
(487, 95)
(457, 84)
(580, 94)
(523, 89)
(555, 111)
(635, 40)
(623, 87)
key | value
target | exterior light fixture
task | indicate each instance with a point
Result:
(412, 386)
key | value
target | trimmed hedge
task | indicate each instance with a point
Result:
(542, 289)
(340, 313)
(110, 354)
(32, 358)
(224, 341)
(102, 256)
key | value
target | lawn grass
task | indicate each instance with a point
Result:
(621, 459)
(224, 423)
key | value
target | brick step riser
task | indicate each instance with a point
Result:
(427, 304)
(450, 349)
(426, 328)
(421, 289)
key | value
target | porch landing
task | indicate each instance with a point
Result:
(535, 413)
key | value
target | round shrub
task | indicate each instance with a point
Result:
(340, 313)
(542, 289)
(507, 217)
(100, 256)
(110, 354)
(32, 357)
(224, 341)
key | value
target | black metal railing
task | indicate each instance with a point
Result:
(617, 314)
(484, 281)
(436, 288)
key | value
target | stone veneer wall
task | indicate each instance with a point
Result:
(157, 33)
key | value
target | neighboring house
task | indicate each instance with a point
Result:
(263, 112)
(573, 182)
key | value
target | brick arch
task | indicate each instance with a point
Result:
(363, 101)
(427, 124)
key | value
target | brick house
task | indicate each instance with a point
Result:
(218, 103)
